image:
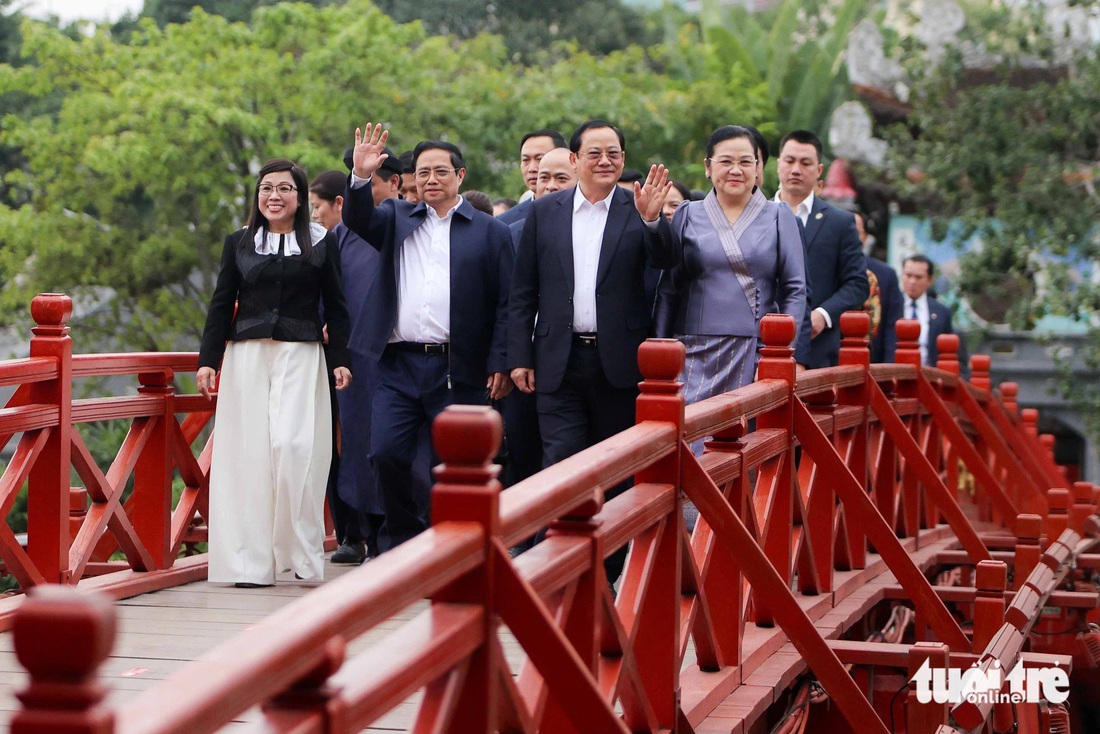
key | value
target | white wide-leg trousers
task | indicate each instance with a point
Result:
(272, 450)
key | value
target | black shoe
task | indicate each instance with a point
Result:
(350, 553)
(250, 585)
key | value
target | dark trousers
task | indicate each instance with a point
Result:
(412, 391)
(350, 524)
(584, 410)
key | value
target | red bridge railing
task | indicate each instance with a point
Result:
(825, 498)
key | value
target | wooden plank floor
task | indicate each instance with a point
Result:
(160, 632)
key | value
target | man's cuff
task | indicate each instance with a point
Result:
(824, 315)
(653, 225)
(358, 183)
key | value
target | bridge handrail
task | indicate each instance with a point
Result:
(587, 652)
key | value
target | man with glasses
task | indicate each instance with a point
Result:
(580, 267)
(835, 262)
(436, 320)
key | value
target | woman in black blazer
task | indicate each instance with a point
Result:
(273, 434)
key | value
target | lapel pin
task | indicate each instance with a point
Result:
(935, 315)
(819, 215)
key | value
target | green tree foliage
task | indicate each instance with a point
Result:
(131, 183)
(796, 49)
(530, 28)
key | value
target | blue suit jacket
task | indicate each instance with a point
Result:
(543, 284)
(517, 213)
(939, 322)
(838, 277)
(885, 341)
(481, 268)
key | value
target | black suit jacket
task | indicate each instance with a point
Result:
(885, 341)
(481, 269)
(543, 284)
(838, 276)
(277, 297)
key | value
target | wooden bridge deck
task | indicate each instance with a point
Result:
(162, 631)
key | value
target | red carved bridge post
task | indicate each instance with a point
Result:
(48, 537)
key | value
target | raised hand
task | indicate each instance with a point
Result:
(650, 197)
(367, 155)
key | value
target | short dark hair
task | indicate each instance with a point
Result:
(806, 138)
(554, 135)
(575, 141)
(479, 200)
(918, 258)
(328, 185)
(684, 190)
(256, 219)
(504, 201)
(407, 164)
(762, 150)
(425, 145)
(731, 132)
(630, 175)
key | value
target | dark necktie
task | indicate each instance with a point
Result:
(913, 310)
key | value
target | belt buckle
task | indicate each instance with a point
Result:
(588, 340)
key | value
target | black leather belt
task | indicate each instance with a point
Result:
(584, 339)
(420, 347)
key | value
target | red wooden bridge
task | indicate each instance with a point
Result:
(855, 523)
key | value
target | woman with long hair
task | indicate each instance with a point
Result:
(273, 421)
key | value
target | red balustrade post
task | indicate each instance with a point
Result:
(1030, 417)
(948, 347)
(989, 603)
(48, 537)
(657, 646)
(1029, 528)
(777, 362)
(151, 502)
(1009, 393)
(1057, 519)
(61, 637)
(1082, 507)
(855, 351)
(925, 718)
(467, 438)
(979, 371)
(908, 352)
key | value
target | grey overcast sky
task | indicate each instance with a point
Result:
(67, 10)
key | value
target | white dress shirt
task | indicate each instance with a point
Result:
(589, 222)
(922, 316)
(423, 279)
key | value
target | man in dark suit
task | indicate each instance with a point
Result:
(580, 268)
(532, 147)
(884, 301)
(436, 320)
(918, 273)
(835, 262)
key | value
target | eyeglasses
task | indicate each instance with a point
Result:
(614, 155)
(746, 163)
(441, 173)
(283, 188)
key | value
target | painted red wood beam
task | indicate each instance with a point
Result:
(896, 655)
(860, 510)
(716, 414)
(132, 363)
(947, 424)
(966, 594)
(918, 464)
(559, 490)
(766, 580)
(27, 370)
(811, 382)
